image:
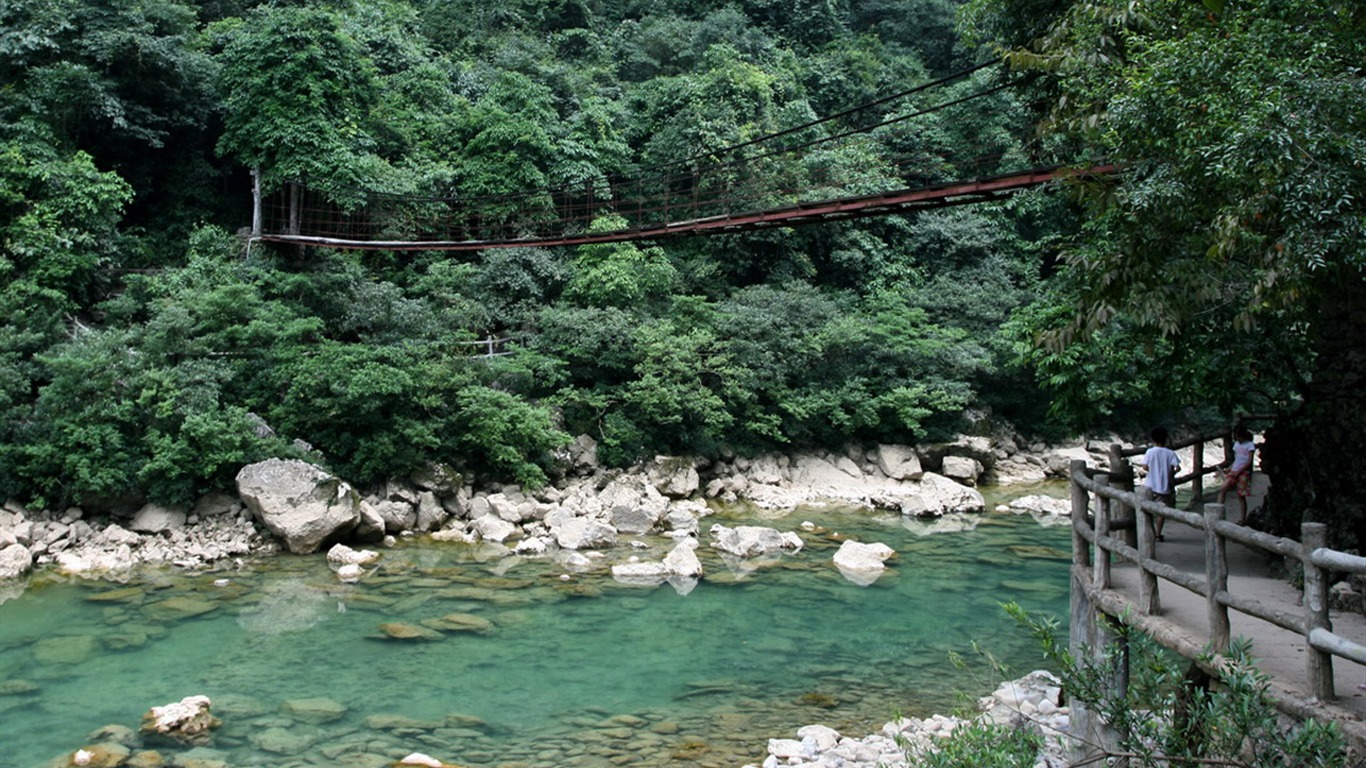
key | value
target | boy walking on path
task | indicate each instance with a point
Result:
(1162, 465)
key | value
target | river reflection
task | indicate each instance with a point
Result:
(486, 660)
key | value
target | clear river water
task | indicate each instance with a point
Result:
(522, 663)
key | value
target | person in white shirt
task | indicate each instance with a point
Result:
(1162, 465)
(1239, 474)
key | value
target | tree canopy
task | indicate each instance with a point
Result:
(1224, 264)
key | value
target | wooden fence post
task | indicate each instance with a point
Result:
(1216, 579)
(1320, 663)
(1122, 478)
(1149, 599)
(1103, 559)
(1081, 501)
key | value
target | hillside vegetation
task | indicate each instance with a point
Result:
(146, 349)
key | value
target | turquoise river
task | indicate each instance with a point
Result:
(537, 667)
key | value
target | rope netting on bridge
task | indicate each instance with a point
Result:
(831, 168)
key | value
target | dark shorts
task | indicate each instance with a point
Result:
(1166, 498)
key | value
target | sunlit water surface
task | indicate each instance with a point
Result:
(584, 672)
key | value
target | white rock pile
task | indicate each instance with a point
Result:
(1032, 702)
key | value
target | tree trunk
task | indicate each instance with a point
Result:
(1314, 455)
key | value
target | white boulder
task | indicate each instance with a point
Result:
(344, 555)
(15, 561)
(857, 556)
(682, 560)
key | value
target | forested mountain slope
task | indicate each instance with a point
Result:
(146, 349)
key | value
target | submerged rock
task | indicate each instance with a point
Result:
(398, 630)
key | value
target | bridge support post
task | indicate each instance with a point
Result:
(1090, 631)
(1319, 663)
(1216, 579)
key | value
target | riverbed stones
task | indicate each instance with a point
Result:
(64, 649)
(102, 755)
(398, 630)
(1038, 505)
(300, 503)
(682, 560)
(461, 622)
(315, 710)
(284, 741)
(963, 469)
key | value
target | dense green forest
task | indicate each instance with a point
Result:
(148, 349)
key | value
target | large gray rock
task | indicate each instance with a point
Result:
(674, 476)
(633, 504)
(493, 528)
(816, 472)
(398, 515)
(584, 533)
(15, 560)
(938, 495)
(300, 503)
(440, 479)
(430, 514)
(582, 454)
(973, 447)
(899, 462)
(154, 518)
(751, 540)
(963, 469)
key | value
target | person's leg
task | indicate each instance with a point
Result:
(1244, 490)
(1160, 521)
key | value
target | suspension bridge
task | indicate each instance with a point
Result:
(832, 169)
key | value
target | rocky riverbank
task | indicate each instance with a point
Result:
(593, 520)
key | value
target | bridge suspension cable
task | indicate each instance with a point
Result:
(810, 181)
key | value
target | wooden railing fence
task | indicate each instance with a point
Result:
(1120, 524)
